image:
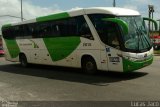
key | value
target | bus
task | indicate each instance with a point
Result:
(98, 38)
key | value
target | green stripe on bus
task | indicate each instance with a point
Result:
(131, 66)
(53, 17)
(6, 25)
(13, 48)
(61, 47)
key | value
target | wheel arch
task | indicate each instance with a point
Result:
(84, 56)
(22, 53)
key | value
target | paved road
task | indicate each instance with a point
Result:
(46, 83)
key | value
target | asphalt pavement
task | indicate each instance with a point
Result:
(48, 83)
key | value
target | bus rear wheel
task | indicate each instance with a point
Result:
(23, 60)
(89, 65)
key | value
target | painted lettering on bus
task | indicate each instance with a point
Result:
(87, 44)
(25, 44)
(114, 59)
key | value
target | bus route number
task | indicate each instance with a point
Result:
(87, 44)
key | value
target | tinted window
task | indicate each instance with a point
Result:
(108, 31)
(8, 33)
(75, 26)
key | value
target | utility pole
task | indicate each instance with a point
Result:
(150, 11)
(114, 3)
(21, 11)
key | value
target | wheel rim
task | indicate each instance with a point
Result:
(23, 61)
(89, 66)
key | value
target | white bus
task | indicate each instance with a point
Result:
(100, 38)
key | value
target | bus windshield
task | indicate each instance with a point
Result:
(138, 38)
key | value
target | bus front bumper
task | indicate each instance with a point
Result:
(129, 66)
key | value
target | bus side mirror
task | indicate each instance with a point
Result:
(120, 22)
(153, 21)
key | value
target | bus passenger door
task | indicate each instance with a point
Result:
(104, 60)
(113, 48)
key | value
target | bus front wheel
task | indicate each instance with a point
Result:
(89, 65)
(23, 60)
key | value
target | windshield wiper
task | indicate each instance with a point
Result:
(146, 39)
(141, 38)
(139, 35)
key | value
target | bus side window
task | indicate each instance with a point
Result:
(33, 30)
(6, 32)
(55, 30)
(112, 35)
(25, 31)
(107, 31)
(83, 28)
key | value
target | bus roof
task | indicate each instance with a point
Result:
(81, 11)
(108, 10)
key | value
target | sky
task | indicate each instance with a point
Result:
(35, 8)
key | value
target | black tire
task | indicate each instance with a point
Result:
(89, 65)
(23, 60)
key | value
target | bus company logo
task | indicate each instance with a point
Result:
(34, 44)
